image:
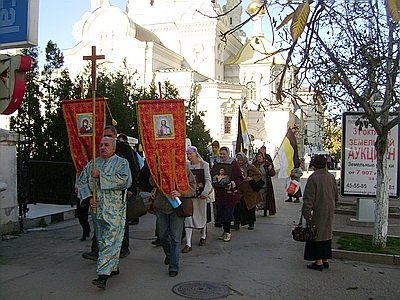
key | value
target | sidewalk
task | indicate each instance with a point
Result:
(261, 264)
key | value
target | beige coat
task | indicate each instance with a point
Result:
(320, 196)
(251, 197)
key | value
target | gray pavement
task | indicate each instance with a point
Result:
(261, 264)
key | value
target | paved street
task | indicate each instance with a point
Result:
(261, 264)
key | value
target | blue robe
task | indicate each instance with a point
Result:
(109, 219)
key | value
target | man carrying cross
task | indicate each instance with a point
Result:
(112, 177)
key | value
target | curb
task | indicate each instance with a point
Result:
(386, 259)
(50, 219)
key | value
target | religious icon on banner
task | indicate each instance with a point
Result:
(200, 181)
(221, 175)
(84, 123)
(164, 126)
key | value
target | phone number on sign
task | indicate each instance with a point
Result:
(356, 185)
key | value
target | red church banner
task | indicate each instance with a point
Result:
(78, 116)
(163, 133)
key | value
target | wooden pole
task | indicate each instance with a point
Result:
(93, 58)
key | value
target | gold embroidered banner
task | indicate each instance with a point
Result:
(163, 133)
(78, 118)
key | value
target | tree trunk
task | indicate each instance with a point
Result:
(382, 193)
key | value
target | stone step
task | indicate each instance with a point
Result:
(40, 214)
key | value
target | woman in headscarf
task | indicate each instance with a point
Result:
(320, 197)
(264, 163)
(201, 171)
(226, 197)
(245, 211)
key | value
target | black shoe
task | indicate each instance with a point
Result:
(326, 265)
(166, 261)
(296, 201)
(235, 226)
(288, 200)
(124, 253)
(173, 273)
(114, 273)
(314, 266)
(100, 282)
(156, 242)
(93, 255)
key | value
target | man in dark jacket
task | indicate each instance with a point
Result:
(125, 151)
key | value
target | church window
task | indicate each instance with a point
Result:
(230, 21)
(227, 125)
(251, 91)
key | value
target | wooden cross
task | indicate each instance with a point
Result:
(93, 58)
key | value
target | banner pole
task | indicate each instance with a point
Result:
(93, 58)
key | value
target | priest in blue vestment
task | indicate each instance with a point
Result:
(113, 177)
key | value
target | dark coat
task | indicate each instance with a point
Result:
(232, 197)
(251, 197)
(320, 196)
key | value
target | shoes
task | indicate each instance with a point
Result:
(186, 249)
(314, 266)
(288, 200)
(114, 273)
(156, 242)
(216, 224)
(251, 227)
(124, 253)
(93, 255)
(326, 265)
(296, 201)
(202, 242)
(227, 237)
(222, 236)
(166, 261)
(100, 282)
(84, 236)
(173, 273)
(235, 226)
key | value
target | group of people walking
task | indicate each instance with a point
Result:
(247, 187)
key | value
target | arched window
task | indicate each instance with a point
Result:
(251, 91)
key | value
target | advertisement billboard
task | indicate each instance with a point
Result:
(18, 23)
(359, 157)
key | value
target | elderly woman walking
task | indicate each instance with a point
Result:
(245, 211)
(201, 171)
(226, 197)
(264, 163)
(320, 196)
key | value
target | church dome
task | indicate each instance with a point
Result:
(254, 6)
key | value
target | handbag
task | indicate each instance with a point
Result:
(304, 234)
(257, 185)
(292, 187)
(135, 208)
(186, 208)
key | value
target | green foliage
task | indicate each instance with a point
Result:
(28, 120)
(332, 140)
(195, 127)
(363, 243)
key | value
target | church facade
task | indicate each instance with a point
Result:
(180, 41)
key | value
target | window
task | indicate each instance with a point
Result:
(227, 125)
(251, 90)
(230, 21)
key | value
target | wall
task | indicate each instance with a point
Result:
(8, 175)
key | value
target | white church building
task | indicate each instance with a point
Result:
(180, 41)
